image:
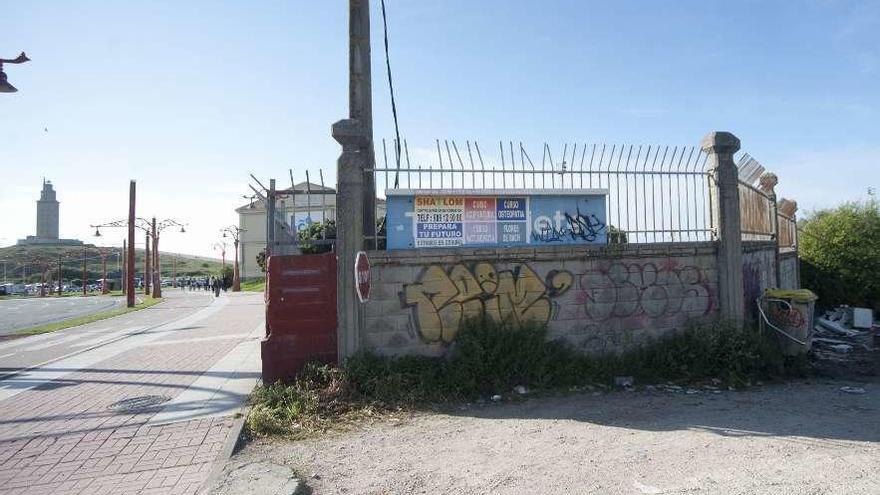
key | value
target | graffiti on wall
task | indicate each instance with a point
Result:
(565, 225)
(625, 290)
(442, 298)
(755, 277)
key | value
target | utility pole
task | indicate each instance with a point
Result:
(360, 89)
(356, 194)
(129, 264)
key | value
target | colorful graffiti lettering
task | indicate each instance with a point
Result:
(442, 299)
(643, 289)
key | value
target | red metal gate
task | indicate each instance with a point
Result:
(300, 314)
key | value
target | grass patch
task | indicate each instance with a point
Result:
(82, 320)
(254, 285)
(490, 358)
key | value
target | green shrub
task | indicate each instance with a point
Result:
(840, 258)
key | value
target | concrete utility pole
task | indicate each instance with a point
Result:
(355, 192)
(129, 264)
(360, 104)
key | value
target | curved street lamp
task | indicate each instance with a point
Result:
(152, 229)
(234, 232)
(5, 87)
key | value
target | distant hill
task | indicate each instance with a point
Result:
(24, 263)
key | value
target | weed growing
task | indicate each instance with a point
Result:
(490, 358)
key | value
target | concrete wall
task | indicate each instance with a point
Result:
(788, 270)
(598, 298)
(759, 273)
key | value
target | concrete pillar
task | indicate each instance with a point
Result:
(349, 230)
(768, 186)
(726, 218)
(789, 208)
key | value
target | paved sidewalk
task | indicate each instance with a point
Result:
(64, 430)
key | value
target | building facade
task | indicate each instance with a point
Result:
(309, 203)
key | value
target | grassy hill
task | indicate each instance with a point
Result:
(24, 263)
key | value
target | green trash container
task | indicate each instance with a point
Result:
(789, 313)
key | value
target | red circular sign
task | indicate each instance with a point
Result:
(362, 276)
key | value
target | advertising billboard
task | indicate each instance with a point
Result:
(483, 218)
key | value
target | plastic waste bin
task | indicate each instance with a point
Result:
(789, 313)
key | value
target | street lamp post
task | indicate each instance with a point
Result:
(5, 87)
(129, 254)
(147, 277)
(235, 233)
(152, 231)
(221, 246)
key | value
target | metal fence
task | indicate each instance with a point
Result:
(654, 193)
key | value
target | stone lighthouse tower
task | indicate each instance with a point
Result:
(47, 221)
(47, 213)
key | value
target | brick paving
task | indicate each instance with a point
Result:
(61, 437)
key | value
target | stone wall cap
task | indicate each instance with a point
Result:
(720, 142)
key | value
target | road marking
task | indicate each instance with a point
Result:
(7, 355)
(62, 339)
(221, 390)
(31, 377)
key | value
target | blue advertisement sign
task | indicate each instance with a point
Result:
(480, 218)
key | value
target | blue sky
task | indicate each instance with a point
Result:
(190, 97)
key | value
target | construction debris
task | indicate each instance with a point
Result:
(843, 340)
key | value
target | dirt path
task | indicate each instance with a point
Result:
(805, 437)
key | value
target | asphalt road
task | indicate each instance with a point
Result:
(16, 313)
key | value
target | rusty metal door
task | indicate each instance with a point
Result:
(300, 314)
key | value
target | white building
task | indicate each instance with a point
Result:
(309, 203)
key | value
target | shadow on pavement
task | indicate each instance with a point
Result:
(811, 409)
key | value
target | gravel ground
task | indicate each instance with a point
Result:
(805, 437)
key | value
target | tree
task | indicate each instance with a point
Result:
(314, 232)
(261, 259)
(840, 254)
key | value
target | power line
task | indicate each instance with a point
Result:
(393, 103)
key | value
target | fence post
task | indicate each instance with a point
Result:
(768, 185)
(720, 146)
(351, 134)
